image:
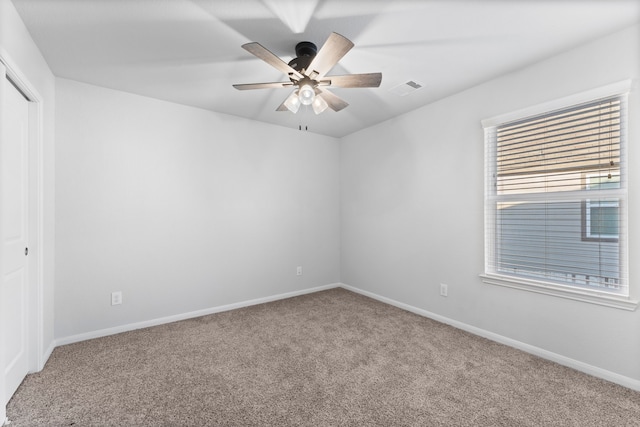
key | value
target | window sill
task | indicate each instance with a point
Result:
(592, 297)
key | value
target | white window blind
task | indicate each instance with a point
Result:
(555, 197)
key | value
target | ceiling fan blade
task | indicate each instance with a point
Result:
(335, 102)
(329, 54)
(270, 58)
(273, 85)
(355, 80)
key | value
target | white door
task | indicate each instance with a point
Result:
(14, 235)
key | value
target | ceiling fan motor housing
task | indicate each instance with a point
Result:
(305, 52)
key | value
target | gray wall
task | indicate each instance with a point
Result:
(183, 209)
(412, 211)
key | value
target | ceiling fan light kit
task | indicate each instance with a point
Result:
(319, 105)
(292, 102)
(306, 94)
(307, 72)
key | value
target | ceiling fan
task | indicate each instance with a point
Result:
(307, 74)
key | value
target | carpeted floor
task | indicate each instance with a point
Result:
(333, 358)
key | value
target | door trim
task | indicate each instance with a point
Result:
(35, 293)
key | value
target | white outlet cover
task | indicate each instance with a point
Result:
(116, 298)
(443, 289)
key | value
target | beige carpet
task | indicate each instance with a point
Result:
(332, 358)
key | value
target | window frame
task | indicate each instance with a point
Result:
(594, 296)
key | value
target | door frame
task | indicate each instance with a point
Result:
(35, 222)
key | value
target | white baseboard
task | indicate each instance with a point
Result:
(47, 355)
(190, 315)
(537, 351)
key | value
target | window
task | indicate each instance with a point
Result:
(600, 217)
(555, 199)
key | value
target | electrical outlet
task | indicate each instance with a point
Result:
(444, 290)
(299, 271)
(116, 298)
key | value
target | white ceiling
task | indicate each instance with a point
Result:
(188, 51)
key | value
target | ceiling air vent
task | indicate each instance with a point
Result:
(405, 89)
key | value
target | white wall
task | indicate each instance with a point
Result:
(183, 209)
(412, 211)
(19, 52)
